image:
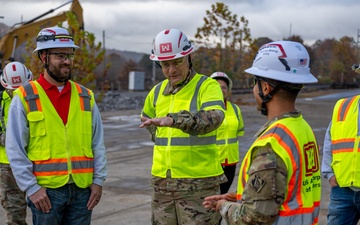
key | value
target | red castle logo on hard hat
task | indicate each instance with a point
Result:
(165, 48)
(16, 80)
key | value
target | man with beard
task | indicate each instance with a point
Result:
(54, 138)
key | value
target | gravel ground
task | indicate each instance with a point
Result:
(126, 196)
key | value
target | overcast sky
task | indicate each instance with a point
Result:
(132, 25)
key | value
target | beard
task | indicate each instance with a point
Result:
(60, 73)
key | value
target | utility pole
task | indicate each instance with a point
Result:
(153, 79)
(290, 30)
(104, 50)
(357, 45)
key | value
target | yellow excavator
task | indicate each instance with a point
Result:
(21, 32)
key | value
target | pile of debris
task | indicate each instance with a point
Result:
(115, 100)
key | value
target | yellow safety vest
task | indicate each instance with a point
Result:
(5, 104)
(185, 155)
(294, 141)
(57, 150)
(227, 135)
(345, 149)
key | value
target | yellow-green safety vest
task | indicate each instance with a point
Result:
(5, 105)
(345, 135)
(227, 135)
(57, 150)
(185, 155)
(294, 141)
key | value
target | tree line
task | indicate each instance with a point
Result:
(223, 43)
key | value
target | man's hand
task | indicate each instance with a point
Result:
(214, 202)
(95, 196)
(333, 182)
(159, 122)
(41, 200)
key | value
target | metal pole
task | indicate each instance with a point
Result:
(357, 43)
(153, 71)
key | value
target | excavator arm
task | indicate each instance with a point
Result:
(18, 35)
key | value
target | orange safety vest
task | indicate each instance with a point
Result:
(294, 141)
(345, 141)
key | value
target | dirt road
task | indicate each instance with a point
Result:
(127, 193)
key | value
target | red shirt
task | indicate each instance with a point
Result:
(60, 100)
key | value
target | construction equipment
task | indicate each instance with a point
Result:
(21, 32)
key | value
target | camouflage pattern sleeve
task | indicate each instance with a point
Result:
(201, 122)
(264, 192)
(152, 131)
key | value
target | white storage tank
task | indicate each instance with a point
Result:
(136, 80)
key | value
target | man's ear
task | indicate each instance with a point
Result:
(42, 57)
(266, 88)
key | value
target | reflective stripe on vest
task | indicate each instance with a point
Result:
(59, 166)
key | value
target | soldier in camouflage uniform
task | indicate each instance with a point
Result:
(182, 114)
(279, 179)
(12, 198)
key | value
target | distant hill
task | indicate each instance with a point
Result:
(134, 56)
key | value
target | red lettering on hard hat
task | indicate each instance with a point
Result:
(165, 48)
(16, 80)
(64, 39)
(268, 48)
(13, 67)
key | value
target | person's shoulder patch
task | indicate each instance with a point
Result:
(257, 183)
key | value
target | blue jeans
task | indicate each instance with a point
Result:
(344, 207)
(68, 206)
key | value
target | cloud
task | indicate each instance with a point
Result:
(133, 24)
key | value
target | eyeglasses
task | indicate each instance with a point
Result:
(176, 62)
(62, 56)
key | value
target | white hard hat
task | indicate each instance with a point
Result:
(54, 37)
(285, 61)
(170, 44)
(222, 75)
(14, 75)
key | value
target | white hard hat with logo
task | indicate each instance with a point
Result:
(54, 37)
(223, 76)
(14, 75)
(170, 44)
(285, 61)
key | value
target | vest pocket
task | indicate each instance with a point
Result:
(88, 153)
(39, 155)
(36, 124)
